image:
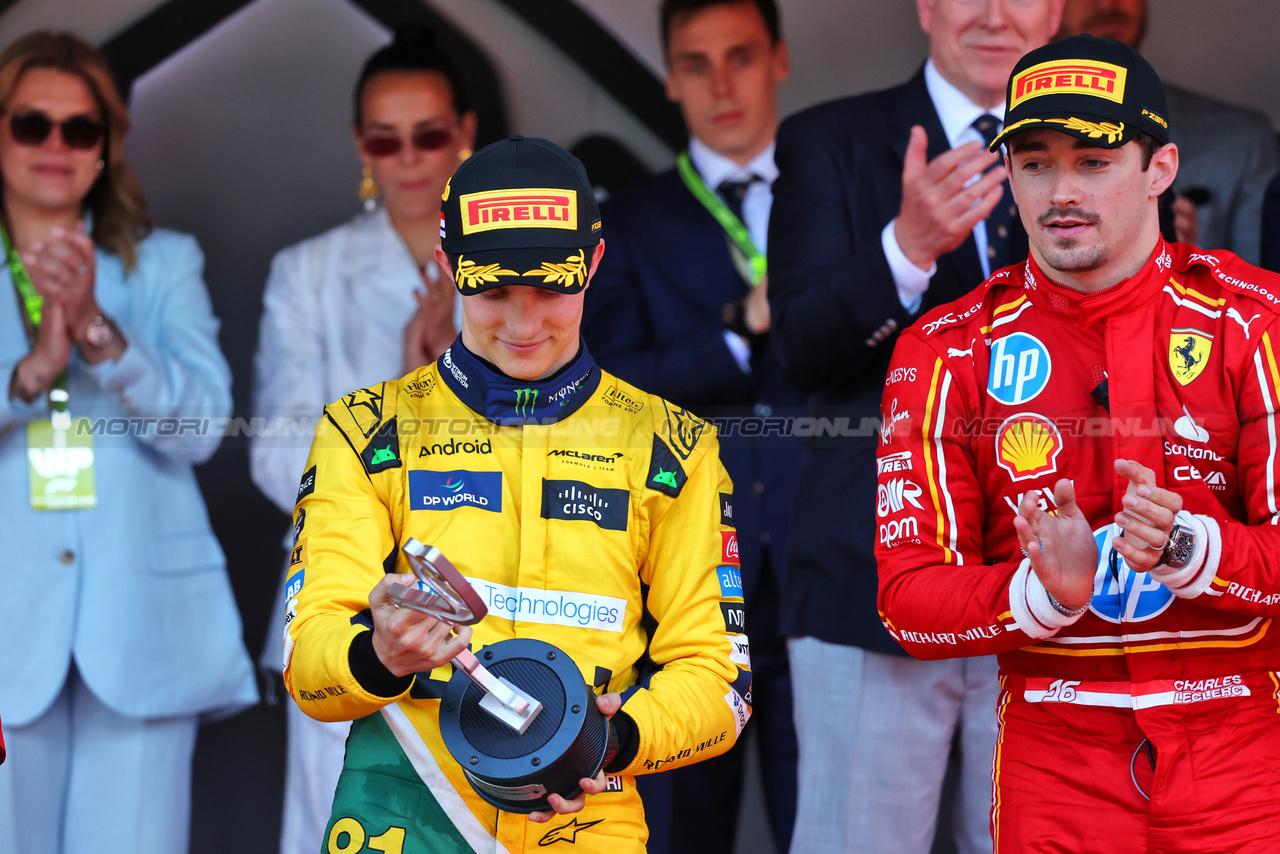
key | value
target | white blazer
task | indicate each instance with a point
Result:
(335, 309)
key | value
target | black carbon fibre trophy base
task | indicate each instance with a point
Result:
(519, 718)
(568, 740)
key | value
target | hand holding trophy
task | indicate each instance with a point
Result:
(519, 718)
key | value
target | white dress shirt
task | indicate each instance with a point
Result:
(957, 115)
(716, 169)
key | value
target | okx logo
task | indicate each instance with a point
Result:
(526, 400)
(449, 490)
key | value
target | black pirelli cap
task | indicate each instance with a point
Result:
(520, 212)
(1100, 90)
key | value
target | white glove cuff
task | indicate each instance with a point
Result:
(1029, 603)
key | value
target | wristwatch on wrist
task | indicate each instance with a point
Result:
(99, 333)
(1180, 549)
(733, 318)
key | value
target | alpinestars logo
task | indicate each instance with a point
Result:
(526, 400)
(566, 832)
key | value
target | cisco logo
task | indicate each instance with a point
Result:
(575, 500)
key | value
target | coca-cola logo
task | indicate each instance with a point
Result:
(729, 546)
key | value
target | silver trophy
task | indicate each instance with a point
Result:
(447, 596)
(546, 745)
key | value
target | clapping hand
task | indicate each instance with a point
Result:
(1147, 517)
(941, 201)
(430, 331)
(1061, 547)
(62, 270)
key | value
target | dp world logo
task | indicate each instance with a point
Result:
(1119, 593)
(526, 400)
(449, 490)
(1020, 368)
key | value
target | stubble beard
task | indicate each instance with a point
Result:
(1069, 257)
(1071, 254)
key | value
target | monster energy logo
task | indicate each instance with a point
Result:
(526, 400)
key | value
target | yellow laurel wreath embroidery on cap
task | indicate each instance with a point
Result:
(1093, 130)
(1011, 128)
(573, 270)
(471, 276)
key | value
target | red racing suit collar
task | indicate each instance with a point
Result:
(1085, 309)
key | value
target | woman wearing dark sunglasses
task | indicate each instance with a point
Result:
(351, 307)
(119, 627)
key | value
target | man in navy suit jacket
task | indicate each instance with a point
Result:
(887, 204)
(678, 307)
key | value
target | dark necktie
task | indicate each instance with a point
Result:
(1000, 220)
(734, 192)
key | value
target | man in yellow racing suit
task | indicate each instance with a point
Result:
(585, 513)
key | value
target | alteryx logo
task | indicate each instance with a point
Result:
(449, 490)
(526, 400)
(1119, 593)
(1020, 368)
(730, 581)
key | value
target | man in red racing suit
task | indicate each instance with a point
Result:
(1144, 715)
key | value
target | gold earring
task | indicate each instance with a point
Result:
(102, 164)
(464, 153)
(368, 189)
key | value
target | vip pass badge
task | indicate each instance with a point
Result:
(739, 237)
(59, 448)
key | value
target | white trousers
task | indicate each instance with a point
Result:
(83, 779)
(875, 732)
(313, 761)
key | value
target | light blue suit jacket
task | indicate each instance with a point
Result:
(136, 589)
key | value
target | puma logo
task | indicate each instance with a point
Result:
(1235, 315)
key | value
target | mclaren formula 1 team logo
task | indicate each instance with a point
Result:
(1027, 446)
(1188, 353)
(1070, 77)
(534, 207)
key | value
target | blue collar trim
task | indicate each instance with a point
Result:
(510, 402)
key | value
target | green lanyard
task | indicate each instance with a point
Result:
(731, 224)
(33, 305)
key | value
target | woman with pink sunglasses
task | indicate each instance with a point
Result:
(348, 308)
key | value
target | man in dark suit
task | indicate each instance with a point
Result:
(1270, 254)
(679, 307)
(1226, 153)
(887, 204)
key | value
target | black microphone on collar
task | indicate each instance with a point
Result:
(1101, 396)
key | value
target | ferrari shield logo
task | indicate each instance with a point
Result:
(1188, 353)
